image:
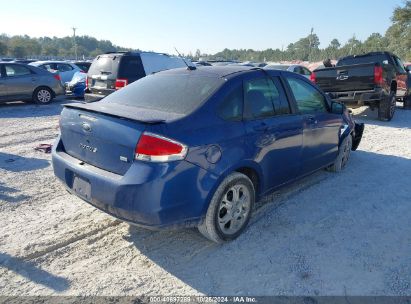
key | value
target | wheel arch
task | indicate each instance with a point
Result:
(53, 94)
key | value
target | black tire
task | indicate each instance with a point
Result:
(343, 156)
(218, 210)
(386, 108)
(43, 95)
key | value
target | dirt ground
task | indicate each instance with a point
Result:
(329, 234)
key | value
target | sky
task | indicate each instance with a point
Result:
(208, 25)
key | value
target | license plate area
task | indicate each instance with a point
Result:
(82, 187)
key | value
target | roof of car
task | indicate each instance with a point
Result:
(218, 71)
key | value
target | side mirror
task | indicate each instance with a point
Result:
(407, 68)
(337, 108)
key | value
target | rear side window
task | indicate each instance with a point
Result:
(258, 95)
(104, 64)
(308, 99)
(175, 93)
(131, 67)
(231, 107)
(16, 70)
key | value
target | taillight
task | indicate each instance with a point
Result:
(57, 76)
(378, 79)
(86, 82)
(121, 83)
(156, 148)
(313, 77)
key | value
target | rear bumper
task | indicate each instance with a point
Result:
(151, 195)
(358, 97)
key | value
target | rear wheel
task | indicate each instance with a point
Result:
(43, 95)
(344, 153)
(386, 107)
(230, 209)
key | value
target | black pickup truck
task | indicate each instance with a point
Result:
(376, 79)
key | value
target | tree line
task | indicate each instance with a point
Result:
(397, 39)
(47, 47)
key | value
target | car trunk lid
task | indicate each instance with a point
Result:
(104, 136)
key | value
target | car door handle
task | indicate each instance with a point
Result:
(261, 127)
(312, 120)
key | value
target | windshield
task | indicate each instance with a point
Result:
(179, 94)
(277, 67)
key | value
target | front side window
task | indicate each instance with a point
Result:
(16, 70)
(231, 107)
(62, 67)
(308, 99)
(48, 67)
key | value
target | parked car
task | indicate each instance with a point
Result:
(65, 69)
(376, 79)
(83, 65)
(25, 61)
(199, 147)
(295, 68)
(24, 82)
(114, 70)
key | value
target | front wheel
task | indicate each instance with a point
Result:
(230, 209)
(344, 153)
(386, 108)
(43, 95)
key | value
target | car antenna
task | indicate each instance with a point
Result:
(189, 67)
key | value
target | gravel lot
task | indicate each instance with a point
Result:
(329, 234)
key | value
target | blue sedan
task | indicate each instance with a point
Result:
(198, 147)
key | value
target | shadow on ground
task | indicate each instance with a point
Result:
(31, 272)
(8, 194)
(345, 233)
(16, 163)
(27, 110)
(400, 119)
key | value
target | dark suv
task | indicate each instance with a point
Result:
(114, 70)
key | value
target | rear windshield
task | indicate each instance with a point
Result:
(362, 59)
(104, 64)
(180, 94)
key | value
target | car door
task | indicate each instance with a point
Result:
(3, 87)
(66, 72)
(274, 134)
(321, 128)
(401, 77)
(19, 80)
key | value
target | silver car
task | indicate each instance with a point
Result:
(25, 82)
(299, 69)
(65, 69)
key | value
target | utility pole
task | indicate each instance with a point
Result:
(75, 42)
(311, 44)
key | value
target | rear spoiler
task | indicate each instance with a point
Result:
(148, 116)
